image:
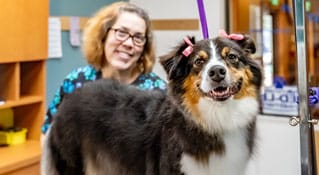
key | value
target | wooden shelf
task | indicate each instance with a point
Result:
(22, 101)
(24, 48)
(19, 156)
(14, 60)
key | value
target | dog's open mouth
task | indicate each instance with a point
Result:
(222, 93)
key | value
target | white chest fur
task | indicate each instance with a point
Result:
(229, 115)
(233, 161)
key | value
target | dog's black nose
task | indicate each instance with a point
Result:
(217, 73)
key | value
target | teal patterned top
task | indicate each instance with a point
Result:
(85, 74)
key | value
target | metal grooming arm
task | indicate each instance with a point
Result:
(307, 151)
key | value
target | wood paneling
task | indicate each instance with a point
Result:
(157, 24)
(23, 29)
(175, 24)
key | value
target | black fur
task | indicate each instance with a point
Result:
(137, 132)
(135, 127)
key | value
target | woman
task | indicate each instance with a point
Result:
(118, 44)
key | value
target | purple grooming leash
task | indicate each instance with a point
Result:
(202, 16)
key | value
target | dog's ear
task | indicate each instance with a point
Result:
(175, 62)
(248, 44)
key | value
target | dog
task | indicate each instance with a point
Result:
(204, 125)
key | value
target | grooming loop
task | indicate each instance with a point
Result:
(313, 100)
(294, 121)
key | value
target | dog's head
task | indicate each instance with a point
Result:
(218, 69)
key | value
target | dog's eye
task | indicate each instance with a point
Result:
(199, 61)
(233, 58)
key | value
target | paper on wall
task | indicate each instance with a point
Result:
(55, 41)
(75, 31)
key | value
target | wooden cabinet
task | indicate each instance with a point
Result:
(24, 46)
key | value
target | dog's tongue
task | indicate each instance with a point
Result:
(220, 93)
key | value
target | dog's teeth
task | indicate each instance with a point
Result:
(221, 95)
(224, 92)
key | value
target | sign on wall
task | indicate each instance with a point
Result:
(280, 101)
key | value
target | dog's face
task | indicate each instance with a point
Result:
(217, 70)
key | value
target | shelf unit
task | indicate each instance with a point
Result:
(24, 47)
(23, 89)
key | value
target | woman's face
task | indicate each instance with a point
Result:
(120, 54)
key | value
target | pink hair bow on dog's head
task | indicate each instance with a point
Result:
(232, 36)
(188, 49)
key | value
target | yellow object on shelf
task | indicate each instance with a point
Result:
(12, 137)
(6, 118)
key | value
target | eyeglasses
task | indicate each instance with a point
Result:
(122, 35)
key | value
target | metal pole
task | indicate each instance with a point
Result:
(306, 127)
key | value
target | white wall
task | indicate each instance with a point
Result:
(181, 9)
(278, 150)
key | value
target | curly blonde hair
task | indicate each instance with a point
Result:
(97, 28)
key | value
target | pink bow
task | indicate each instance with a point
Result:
(188, 49)
(232, 36)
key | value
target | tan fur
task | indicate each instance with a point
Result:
(192, 95)
(202, 54)
(248, 89)
(98, 163)
(225, 51)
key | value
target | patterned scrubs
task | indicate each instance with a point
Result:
(85, 74)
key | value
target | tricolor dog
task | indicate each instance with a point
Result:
(204, 125)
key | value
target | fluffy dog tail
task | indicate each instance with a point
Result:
(47, 164)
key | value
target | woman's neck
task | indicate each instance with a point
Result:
(125, 76)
